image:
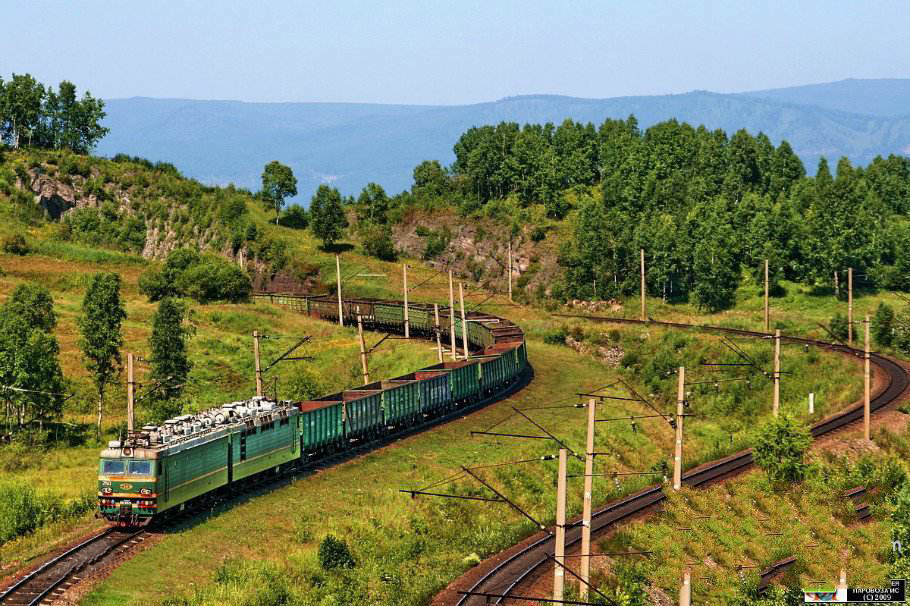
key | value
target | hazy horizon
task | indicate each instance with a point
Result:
(411, 53)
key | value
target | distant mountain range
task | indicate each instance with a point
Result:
(351, 144)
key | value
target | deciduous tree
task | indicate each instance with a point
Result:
(278, 183)
(100, 324)
(327, 215)
(170, 364)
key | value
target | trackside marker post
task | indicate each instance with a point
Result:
(559, 573)
(811, 403)
(685, 590)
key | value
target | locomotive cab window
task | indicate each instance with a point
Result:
(140, 468)
(113, 467)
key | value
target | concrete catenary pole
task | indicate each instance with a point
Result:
(867, 392)
(464, 322)
(452, 317)
(776, 404)
(438, 332)
(404, 290)
(644, 314)
(257, 362)
(680, 410)
(767, 308)
(559, 573)
(338, 274)
(850, 306)
(130, 393)
(509, 270)
(685, 590)
(363, 351)
(586, 507)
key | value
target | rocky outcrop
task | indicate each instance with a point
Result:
(54, 196)
(477, 248)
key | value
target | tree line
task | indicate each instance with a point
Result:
(703, 205)
(32, 385)
(33, 115)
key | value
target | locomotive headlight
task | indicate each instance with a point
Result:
(145, 491)
(106, 490)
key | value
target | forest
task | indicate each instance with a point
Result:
(706, 207)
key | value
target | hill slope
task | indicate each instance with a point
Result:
(882, 97)
(350, 145)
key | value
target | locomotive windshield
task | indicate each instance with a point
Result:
(113, 467)
(140, 468)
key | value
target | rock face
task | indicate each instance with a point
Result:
(59, 196)
(478, 248)
(54, 196)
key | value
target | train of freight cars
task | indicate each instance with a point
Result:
(163, 469)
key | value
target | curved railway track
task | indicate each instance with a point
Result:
(113, 545)
(517, 568)
(39, 586)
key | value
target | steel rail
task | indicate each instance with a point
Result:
(515, 569)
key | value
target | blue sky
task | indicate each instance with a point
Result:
(448, 52)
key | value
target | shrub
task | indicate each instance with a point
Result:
(22, 509)
(214, 280)
(334, 553)
(838, 327)
(377, 242)
(557, 337)
(303, 385)
(16, 245)
(780, 449)
(883, 325)
(295, 217)
(629, 359)
(538, 233)
(436, 242)
(205, 278)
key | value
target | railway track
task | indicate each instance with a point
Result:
(111, 546)
(43, 584)
(519, 567)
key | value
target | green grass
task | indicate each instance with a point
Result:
(750, 523)
(422, 544)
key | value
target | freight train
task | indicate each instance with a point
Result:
(165, 468)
